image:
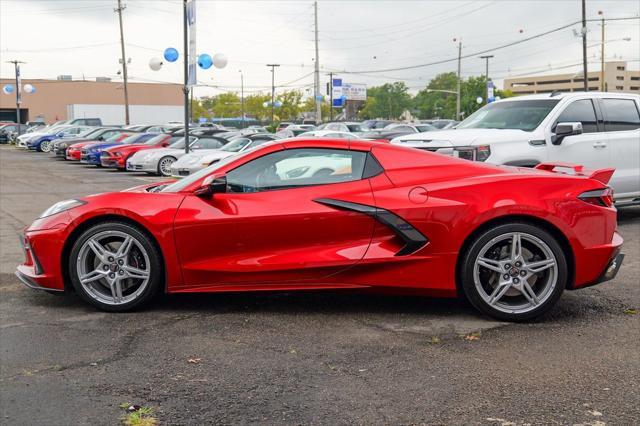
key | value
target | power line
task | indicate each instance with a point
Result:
(482, 52)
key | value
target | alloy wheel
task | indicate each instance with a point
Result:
(515, 272)
(113, 267)
(45, 146)
(164, 166)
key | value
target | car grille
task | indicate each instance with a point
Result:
(85, 151)
(183, 172)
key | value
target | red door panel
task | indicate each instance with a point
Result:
(272, 236)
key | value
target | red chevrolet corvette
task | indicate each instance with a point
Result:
(334, 214)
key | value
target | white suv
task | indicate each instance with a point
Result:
(594, 129)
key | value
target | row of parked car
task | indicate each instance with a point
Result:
(595, 130)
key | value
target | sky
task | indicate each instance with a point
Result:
(360, 41)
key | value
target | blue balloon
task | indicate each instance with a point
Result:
(205, 61)
(7, 89)
(277, 104)
(171, 54)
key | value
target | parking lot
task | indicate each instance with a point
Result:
(322, 358)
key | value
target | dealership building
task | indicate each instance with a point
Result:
(64, 99)
(617, 78)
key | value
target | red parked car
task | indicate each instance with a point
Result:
(116, 157)
(336, 214)
(74, 152)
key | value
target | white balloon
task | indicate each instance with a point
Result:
(479, 99)
(155, 64)
(28, 88)
(219, 60)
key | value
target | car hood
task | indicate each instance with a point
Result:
(97, 146)
(160, 152)
(201, 156)
(129, 147)
(463, 137)
(81, 144)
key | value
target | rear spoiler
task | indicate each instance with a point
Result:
(602, 175)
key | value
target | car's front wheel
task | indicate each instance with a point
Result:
(115, 267)
(164, 165)
(514, 272)
(45, 146)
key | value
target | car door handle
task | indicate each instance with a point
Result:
(599, 145)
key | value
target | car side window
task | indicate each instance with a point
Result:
(620, 114)
(583, 112)
(295, 168)
(209, 144)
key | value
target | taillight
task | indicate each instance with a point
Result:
(599, 197)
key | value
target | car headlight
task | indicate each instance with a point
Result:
(115, 154)
(473, 153)
(61, 206)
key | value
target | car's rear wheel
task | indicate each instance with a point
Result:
(514, 272)
(45, 146)
(164, 165)
(115, 267)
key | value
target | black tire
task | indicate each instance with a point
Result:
(471, 254)
(156, 277)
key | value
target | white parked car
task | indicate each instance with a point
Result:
(201, 158)
(334, 134)
(594, 129)
(158, 161)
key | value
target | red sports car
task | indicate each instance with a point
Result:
(334, 214)
(116, 157)
(74, 152)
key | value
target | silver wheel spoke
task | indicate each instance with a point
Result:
(133, 272)
(528, 293)
(98, 249)
(92, 276)
(116, 290)
(498, 292)
(125, 247)
(494, 265)
(540, 266)
(516, 247)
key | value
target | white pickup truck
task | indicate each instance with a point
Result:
(597, 130)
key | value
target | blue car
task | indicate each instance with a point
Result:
(91, 153)
(44, 142)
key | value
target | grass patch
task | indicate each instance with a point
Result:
(138, 416)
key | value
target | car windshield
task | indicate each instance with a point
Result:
(86, 132)
(425, 127)
(156, 140)
(354, 127)
(236, 145)
(521, 115)
(179, 144)
(114, 138)
(189, 180)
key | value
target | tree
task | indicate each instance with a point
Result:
(389, 100)
(291, 101)
(430, 103)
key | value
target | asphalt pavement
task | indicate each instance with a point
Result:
(302, 358)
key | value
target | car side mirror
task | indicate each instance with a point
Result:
(164, 144)
(100, 138)
(214, 184)
(566, 129)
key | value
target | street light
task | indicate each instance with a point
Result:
(242, 96)
(273, 87)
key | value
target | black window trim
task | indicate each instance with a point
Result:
(367, 154)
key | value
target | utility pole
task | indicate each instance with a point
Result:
(191, 105)
(16, 66)
(486, 73)
(330, 96)
(316, 79)
(459, 77)
(119, 10)
(584, 46)
(185, 89)
(242, 96)
(602, 86)
(273, 88)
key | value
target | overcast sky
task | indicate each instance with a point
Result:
(81, 38)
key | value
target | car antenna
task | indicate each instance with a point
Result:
(555, 93)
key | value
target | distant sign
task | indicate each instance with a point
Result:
(348, 91)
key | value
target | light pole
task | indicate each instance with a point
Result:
(486, 75)
(458, 82)
(119, 10)
(16, 65)
(185, 89)
(584, 46)
(242, 96)
(273, 88)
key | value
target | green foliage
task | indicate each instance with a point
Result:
(389, 101)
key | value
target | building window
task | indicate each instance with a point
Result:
(594, 78)
(635, 78)
(619, 87)
(620, 68)
(634, 88)
(620, 77)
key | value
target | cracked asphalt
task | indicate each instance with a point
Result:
(303, 358)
